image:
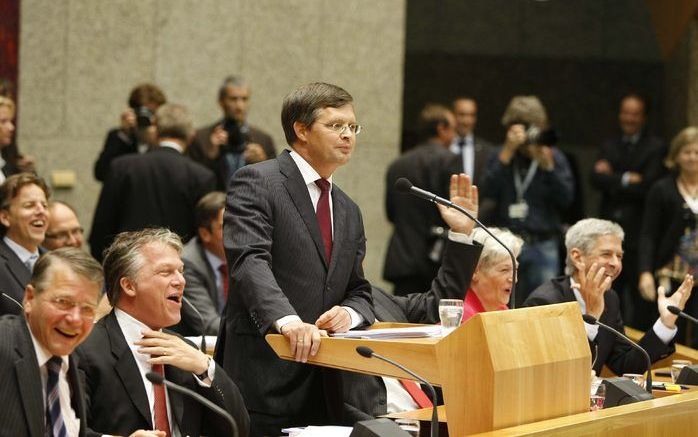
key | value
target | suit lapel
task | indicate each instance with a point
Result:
(29, 379)
(176, 401)
(295, 185)
(77, 398)
(16, 267)
(127, 369)
(339, 215)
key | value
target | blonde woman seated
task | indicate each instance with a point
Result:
(490, 287)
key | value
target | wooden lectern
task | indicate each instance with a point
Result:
(497, 370)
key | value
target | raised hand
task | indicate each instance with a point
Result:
(592, 285)
(465, 195)
(678, 299)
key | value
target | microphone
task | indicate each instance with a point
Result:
(403, 185)
(13, 300)
(201, 319)
(677, 312)
(367, 352)
(592, 321)
(158, 379)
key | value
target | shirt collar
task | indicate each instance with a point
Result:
(472, 301)
(42, 355)
(213, 260)
(172, 145)
(578, 295)
(23, 254)
(132, 329)
(310, 175)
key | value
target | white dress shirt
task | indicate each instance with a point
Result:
(72, 423)
(27, 258)
(467, 151)
(132, 330)
(310, 175)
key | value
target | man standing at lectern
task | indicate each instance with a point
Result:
(295, 244)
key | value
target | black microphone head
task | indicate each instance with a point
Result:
(674, 310)
(403, 185)
(589, 319)
(155, 378)
(366, 351)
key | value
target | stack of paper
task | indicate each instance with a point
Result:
(411, 332)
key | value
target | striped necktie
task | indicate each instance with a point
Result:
(55, 426)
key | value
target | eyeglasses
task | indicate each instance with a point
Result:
(87, 311)
(340, 128)
(64, 236)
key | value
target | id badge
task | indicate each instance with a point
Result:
(518, 210)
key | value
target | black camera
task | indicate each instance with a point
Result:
(537, 136)
(144, 117)
(237, 136)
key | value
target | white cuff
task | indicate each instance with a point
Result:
(356, 318)
(285, 321)
(592, 331)
(665, 334)
(206, 382)
(460, 238)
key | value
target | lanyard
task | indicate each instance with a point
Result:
(520, 186)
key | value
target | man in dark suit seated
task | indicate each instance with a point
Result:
(594, 261)
(205, 270)
(24, 220)
(158, 188)
(366, 396)
(144, 282)
(40, 389)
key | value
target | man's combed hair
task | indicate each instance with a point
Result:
(174, 121)
(12, 186)
(234, 81)
(583, 235)
(123, 258)
(304, 104)
(145, 94)
(208, 208)
(76, 260)
(525, 109)
(431, 118)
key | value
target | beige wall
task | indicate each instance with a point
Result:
(80, 58)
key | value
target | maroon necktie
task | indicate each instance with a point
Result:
(420, 398)
(323, 215)
(162, 423)
(223, 269)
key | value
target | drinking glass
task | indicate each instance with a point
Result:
(450, 313)
(676, 367)
(598, 396)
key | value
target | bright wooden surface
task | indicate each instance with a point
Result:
(668, 416)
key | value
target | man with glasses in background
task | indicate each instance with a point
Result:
(295, 244)
(63, 227)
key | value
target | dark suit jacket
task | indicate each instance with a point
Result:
(158, 188)
(483, 149)
(278, 268)
(624, 204)
(619, 356)
(14, 277)
(365, 396)
(21, 392)
(201, 291)
(118, 143)
(201, 150)
(429, 167)
(118, 404)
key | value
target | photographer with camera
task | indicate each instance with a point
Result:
(136, 134)
(232, 142)
(531, 183)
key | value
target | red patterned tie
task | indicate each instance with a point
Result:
(223, 269)
(161, 421)
(323, 215)
(417, 393)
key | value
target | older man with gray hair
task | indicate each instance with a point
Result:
(159, 188)
(594, 261)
